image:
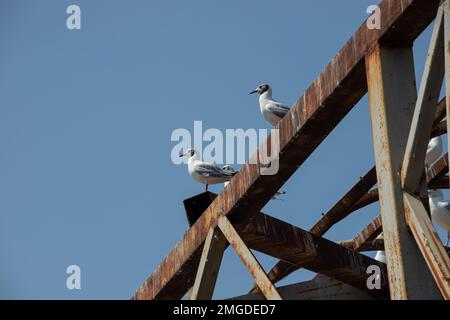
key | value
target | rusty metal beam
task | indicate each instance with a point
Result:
(282, 269)
(392, 94)
(282, 240)
(441, 112)
(439, 129)
(447, 60)
(373, 245)
(425, 109)
(438, 169)
(251, 263)
(434, 177)
(367, 199)
(369, 234)
(342, 208)
(439, 183)
(364, 240)
(431, 246)
(332, 95)
(208, 270)
(338, 212)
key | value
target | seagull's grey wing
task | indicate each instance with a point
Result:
(278, 109)
(229, 169)
(210, 170)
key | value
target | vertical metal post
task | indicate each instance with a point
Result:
(251, 263)
(425, 109)
(392, 92)
(446, 7)
(208, 269)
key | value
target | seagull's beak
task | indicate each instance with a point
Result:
(253, 92)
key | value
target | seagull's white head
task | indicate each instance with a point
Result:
(262, 88)
(189, 152)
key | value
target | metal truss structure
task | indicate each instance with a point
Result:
(377, 62)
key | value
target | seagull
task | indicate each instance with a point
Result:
(440, 211)
(206, 173)
(271, 110)
(434, 151)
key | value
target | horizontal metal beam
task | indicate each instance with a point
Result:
(282, 240)
(282, 269)
(331, 96)
(438, 169)
(338, 212)
(342, 208)
(369, 234)
(376, 244)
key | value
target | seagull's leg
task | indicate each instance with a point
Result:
(206, 188)
(448, 236)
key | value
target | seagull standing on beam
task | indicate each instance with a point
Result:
(271, 110)
(207, 173)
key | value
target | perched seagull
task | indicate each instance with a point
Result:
(271, 110)
(440, 211)
(206, 173)
(434, 151)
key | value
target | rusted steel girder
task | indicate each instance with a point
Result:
(368, 235)
(331, 96)
(376, 244)
(434, 175)
(282, 240)
(341, 209)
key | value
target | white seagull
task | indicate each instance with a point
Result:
(271, 110)
(440, 211)
(207, 173)
(434, 151)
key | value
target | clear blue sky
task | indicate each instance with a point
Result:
(86, 118)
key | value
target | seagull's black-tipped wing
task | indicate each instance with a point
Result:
(278, 109)
(210, 170)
